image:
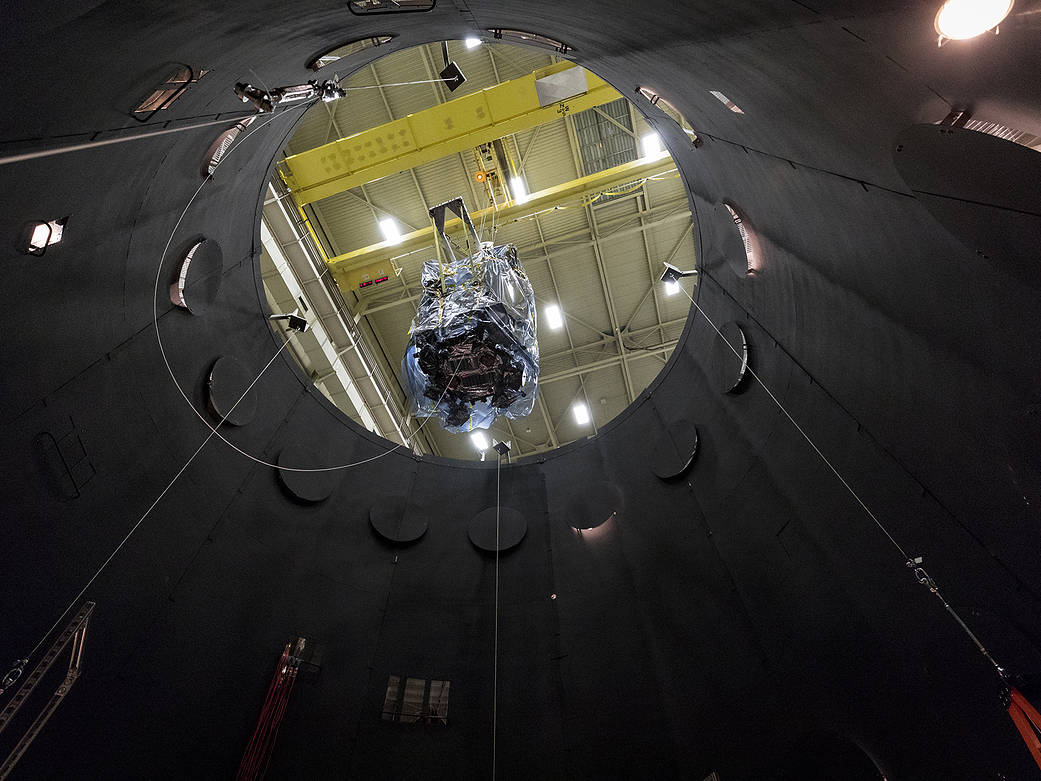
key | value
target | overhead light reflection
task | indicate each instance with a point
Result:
(472, 43)
(650, 145)
(553, 317)
(391, 233)
(581, 413)
(519, 189)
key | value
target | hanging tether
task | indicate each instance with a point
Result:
(1027, 721)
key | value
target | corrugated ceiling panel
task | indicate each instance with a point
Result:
(361, 109)
(581, 291)
(611, 214)
(514, 61)
(665, 189)
(627, 274)
(348, 221)
(550, 162)
(568, 224)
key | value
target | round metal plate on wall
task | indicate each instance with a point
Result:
(512, 528)
(392, 520)
(730, 358)
(675, 449)
(227, 383)
(306, 486)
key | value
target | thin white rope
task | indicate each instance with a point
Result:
(152, 506)
(495, 653)
(390, 84)
(166, 360)
(59, 150)
(799, 428)
(919, 572)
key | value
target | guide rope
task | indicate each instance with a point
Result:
(495, 653)
(913, 562)
(162, 347)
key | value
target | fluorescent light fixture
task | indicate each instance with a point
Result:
(480, 440)
(553, 317)
(517, 187)
(472, 43)
(581, 413)
(390, 230)
(961, 19)
(650, 145)
(672, 288)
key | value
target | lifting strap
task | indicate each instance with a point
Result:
(1027, 721)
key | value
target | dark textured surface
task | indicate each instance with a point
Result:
(395, 521)
(716, 625)
(730, 357)
(307, 486)
(231, 397)
(499, 529)
(675, 449)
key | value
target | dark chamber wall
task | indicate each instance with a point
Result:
(721, 621)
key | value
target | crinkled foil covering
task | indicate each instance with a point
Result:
(474, 347)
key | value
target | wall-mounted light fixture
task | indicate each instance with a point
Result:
(36, 237)
(958, 20)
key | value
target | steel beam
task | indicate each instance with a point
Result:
(606, 363)
(536, 202)
(437, 132)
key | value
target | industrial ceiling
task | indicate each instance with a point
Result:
(755, 570)
(596, 257)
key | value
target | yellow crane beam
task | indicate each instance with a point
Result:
(543, 200)
(443, 130)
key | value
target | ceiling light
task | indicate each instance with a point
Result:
(961, 19)
(472, 43)
(480, 440)
(672, 287)
(553, 317)
(390, 230)
(517, 187)
(650, 145)
(581, 413)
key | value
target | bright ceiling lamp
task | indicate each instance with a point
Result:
(961, 19)
(553, 317)
(480, 440)
(472, 43)
(390, 230)
(672, 288)
(650, 145)
(581, 413)
(519, 190)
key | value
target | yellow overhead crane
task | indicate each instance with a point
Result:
(343, 265)
(455, 126)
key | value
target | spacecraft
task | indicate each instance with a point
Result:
(472, 353)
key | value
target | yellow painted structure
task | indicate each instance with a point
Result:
(429, 135)
(574, 192)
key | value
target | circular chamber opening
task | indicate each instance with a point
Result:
(546, 307)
